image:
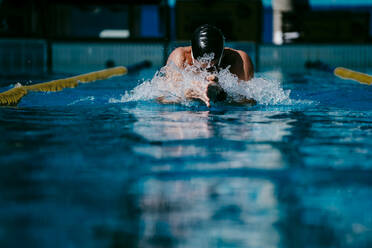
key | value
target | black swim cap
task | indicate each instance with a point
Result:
(207, 39)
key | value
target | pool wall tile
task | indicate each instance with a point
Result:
(84, 57)
(293, 57)
(29, 56)
(23, 57)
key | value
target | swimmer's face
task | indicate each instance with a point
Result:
(210, 67)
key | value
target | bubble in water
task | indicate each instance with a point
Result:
(171, 84)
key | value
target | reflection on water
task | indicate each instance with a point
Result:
(210, 212)
(167, 126)
(148, 175)
(247, 137)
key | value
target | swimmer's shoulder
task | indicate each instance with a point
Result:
(241, 63)
(180, 55)
(182, 50)
(230, 52)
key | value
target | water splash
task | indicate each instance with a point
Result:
(171, 83)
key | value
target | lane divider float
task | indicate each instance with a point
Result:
(14, 95)
(345, 73)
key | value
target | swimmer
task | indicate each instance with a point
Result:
(206, 40)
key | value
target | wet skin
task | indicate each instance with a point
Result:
(240, 65)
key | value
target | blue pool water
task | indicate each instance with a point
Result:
(85, 168)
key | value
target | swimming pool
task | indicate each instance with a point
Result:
(81, 170)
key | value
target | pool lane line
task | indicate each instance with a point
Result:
(345, 73)
(14, 95)
(340, 72)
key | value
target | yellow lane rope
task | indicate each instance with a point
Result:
(353, 75)
(13, 96)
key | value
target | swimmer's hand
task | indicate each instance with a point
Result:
(192, 94)
(216, 93)
(213, 92)
(212, 78)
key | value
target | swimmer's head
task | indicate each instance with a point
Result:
(208, 39)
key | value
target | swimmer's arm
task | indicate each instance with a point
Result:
(163, 100)
(175, 63)
(177, 57)
(212, 92)
(248, 69)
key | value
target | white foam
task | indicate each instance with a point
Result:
(264, 91)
